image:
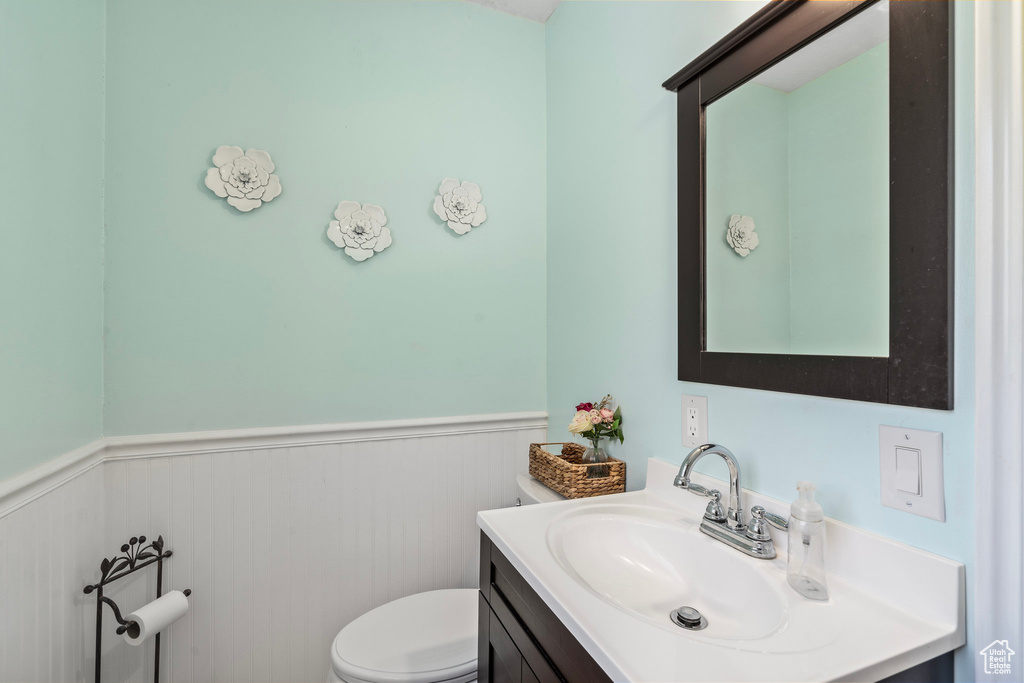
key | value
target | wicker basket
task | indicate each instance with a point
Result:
(566, 474)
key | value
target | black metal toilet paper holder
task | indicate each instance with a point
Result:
(135, 556)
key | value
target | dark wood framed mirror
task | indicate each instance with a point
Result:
(905, 270)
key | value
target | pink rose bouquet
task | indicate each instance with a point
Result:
(595, 421)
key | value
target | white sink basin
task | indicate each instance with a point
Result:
(648, 563)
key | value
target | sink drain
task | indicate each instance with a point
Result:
(689, 618)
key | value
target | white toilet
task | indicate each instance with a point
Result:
(423, 638)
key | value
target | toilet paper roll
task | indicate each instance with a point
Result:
(155, 617)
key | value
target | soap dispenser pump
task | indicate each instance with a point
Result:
(806, 564)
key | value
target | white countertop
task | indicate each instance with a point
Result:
(891, 606)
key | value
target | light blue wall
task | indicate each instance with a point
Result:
(217, 319)
(748, 301)
(51, 270)
(612, 225)
(839, 209)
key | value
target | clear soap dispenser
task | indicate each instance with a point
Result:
(806, 565)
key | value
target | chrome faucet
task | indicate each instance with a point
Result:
(728, 526)
(734, 518)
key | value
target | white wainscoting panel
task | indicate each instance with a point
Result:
(49, 549)
(281, 546)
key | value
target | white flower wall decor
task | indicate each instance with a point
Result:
(359, 230)
(459, 205)
(245, 178)
(740, 235)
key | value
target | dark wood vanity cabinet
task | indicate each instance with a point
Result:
(521, 640)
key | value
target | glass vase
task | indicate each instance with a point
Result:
(596, 454)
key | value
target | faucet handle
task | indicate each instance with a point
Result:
(758, 530)
(714, 511)
(700, 490)
(777, 521)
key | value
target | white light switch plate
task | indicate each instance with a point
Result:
(931, 502)
(695, 421)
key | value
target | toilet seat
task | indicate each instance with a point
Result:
(423, 638)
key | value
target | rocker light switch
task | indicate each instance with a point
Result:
(908, 471)
(911, 469)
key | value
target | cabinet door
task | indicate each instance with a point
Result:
(505, 662)
(551, 654)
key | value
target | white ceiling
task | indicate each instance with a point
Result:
(848, 40)
(534, 10)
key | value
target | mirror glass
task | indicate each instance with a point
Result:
(797, 200)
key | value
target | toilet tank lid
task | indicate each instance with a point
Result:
(530, 491)
(422, 637)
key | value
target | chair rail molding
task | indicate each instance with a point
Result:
(999, 331)
(25, 487)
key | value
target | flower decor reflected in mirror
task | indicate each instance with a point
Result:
(741, 236)
(459, 205)
(245, 179)
(359, 230)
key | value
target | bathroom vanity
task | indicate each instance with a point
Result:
(520, 638)
(583, 591)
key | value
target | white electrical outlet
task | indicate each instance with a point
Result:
(695, 421)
